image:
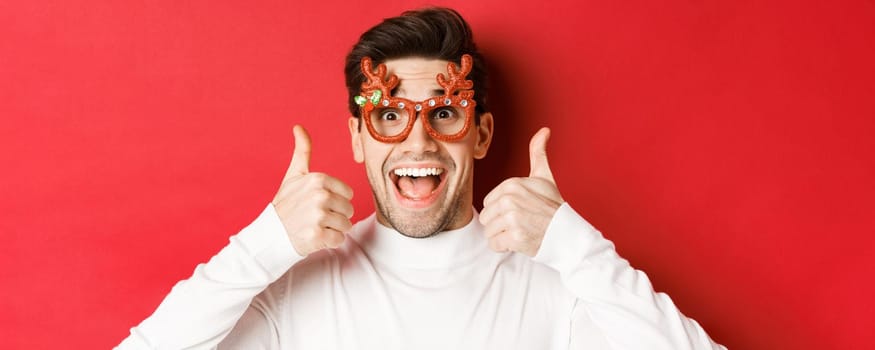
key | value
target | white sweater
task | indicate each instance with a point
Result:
(382, 290)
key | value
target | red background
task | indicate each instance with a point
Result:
(726, 147)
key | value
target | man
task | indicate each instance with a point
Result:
(425, 271)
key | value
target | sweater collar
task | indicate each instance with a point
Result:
(447, 249)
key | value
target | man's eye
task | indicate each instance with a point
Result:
(443, 113)
(389, 115)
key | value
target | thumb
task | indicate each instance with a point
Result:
(300, 164)
(538, 156)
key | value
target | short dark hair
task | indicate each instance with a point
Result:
(433, 32)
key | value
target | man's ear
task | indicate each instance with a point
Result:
(484, 136)
(356, 134)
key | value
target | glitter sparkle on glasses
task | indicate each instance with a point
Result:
(389, 119)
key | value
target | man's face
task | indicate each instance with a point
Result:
(441, 197)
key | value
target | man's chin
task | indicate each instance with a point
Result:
(417, 220)
(420, 217)
(419, 230)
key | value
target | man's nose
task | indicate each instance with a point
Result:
(419, 141)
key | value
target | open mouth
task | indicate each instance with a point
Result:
(418, 186)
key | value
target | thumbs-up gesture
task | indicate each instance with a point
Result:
(314, 208)
(517, 212)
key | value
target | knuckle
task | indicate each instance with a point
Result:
(515, 182)
(513, 220)
(308, 235)
(504, 186)
(335, 239)
(308, 211)
(507, 203)
(517, 240)
(511, 234)
(520, 237)
(484, 216)
(318, 179)
(494, 245)
(493, 232)
(320, 236)
(320, 196)
(321, 217)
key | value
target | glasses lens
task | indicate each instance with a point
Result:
(447, 120)
(389, 121)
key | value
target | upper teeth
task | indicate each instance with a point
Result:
(418, 171)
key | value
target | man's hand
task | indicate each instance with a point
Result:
(314, 208)
(517, 212)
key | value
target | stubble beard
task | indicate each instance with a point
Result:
(419, 224)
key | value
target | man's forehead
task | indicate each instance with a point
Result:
(414, 66)
(417, 76)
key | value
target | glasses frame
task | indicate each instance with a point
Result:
(414, 110)
(458, 92)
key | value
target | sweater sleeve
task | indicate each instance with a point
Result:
(200, 311)
(617, 299)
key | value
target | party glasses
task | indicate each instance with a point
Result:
(389, 119)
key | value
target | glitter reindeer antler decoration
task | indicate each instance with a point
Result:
(375, 84)
(457, 79)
